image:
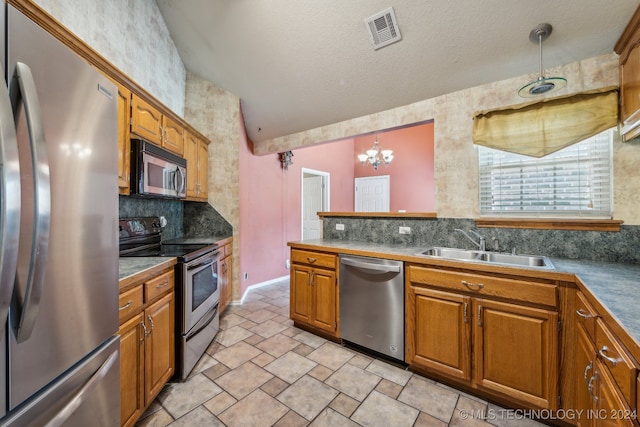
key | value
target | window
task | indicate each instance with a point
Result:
(573, 182)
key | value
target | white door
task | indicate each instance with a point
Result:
(314, 199)
(372, 194)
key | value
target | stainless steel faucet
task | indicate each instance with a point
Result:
(482, 243)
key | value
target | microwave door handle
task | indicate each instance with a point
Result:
(9, 202)
(182, 178)
(42, 203)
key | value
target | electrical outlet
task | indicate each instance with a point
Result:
(287, 264)
(340, 227)
(246, 276)
(404, 230)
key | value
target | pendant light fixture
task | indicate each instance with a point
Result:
(375, 156)
(542, 84)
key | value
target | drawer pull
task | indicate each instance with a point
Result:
(127, 305)
(166, 283)
(590, 387)
(609, 359)
(480, 315)
(311, 260)
(473, 286)
(151, 321)
(588, 368)
(146, 333)
(580, 312)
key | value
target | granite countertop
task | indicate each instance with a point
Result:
(614, 285)
(207, 240)
(135, 265)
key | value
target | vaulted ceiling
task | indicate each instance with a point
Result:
(300, 64)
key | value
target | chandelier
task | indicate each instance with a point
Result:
(375, 156)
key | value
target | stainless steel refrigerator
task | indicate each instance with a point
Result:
(59, 358)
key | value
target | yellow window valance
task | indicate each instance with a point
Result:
(543, 127)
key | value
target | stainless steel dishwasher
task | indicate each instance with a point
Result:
(372, 304)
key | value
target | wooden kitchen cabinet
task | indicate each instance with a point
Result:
(606, 376)
(124, 139)
(453, 315)
(226, 276)
(628, 49)
(147, 342)
(151, 125)
(314, 291)
(196, 151)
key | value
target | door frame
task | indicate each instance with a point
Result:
(326, 191)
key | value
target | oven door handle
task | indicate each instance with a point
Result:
(207, 262)
(203, 323)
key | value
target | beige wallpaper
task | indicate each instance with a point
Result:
(132, 35)
(456, 164)
(216, 114)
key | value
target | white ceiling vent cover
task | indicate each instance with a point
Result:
(383, 28)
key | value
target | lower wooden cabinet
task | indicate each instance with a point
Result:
(226, 276)
(514, 346)
(147, 344)
(314, 291)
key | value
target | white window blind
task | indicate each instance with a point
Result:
(573, 182)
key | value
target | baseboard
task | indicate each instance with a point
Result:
(259, 285)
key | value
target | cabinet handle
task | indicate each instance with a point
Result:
(609, 359)
(151, 321)
(313, 278)
(166, 283)
(586, 371)
(466, 308)
(590, 386)
(146, 333)
(580, 312)
(127, 305)
(311, 260)
(480, 315)
(473, 286)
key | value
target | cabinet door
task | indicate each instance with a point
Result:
(146, 121)
(229, 278)
(131, 370)
(300, 296)
(324, 288)
(124, 139)
(438, 332)
(585, 378)
(159, 345)
(630, 83)
(225, 285)
(191, 154)
(203, 170)
(611, 408)
(173, 136)
(516, 352)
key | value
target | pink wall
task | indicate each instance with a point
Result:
(411, 171)
(270, 203)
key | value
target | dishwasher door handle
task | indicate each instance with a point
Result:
(369, 266)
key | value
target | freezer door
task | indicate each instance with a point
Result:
(82, 397)
(66, 293)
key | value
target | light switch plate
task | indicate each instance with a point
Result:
(404, 230)
(340, 227)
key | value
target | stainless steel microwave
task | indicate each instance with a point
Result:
(157, 172)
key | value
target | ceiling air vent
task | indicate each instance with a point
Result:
(383, 28)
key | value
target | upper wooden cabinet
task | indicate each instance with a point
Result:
(196, 151)
(124, 138)
(628, 47)
(153, 126)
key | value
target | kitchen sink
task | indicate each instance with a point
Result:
(488, 257)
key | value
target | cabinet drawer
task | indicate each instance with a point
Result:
(478, 284)
(586, 315)
(158, 286)
(617, 361)
(129, 302)
(228, 250)
(316, 259)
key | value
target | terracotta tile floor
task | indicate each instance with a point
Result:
(262, 371)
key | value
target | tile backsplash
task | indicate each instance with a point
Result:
(622, 246)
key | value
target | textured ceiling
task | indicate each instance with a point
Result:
(300, 64)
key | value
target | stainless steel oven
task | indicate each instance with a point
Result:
(200, 317)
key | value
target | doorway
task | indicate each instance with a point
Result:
(315, 198)
(372, 193)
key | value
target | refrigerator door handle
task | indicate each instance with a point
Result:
(42, 202)
(84, 391)
(9, 202)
